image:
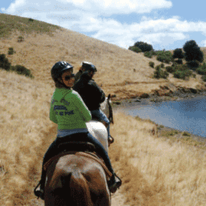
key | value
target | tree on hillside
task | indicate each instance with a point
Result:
(135, 49)
(141, 47)
(178, 53)
(193, 54)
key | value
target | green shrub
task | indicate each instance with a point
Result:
(193, 52)
(135, 49)
(20, 39)
(148, 54)
(202, 69)
(159, 73)
(4, 62)
(143, 46)
(204, 78)
(178, 53)
(182, 74)
(31, 20)
(179, 61)
(162, 65)
(186, 134)
(193, 64)
(151, 64)
(170, 69)
(19, 69)
(11, 51)
(164, 56)
(179, 74)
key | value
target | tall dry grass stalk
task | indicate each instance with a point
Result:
(156, 171)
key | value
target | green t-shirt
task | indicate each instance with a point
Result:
(68, 110)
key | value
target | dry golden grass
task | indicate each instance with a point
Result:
(154, 171)
(24, 126)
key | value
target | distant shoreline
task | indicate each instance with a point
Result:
(164, 131)
(153, 98)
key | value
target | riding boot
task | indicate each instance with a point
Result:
(40, 192)
(110, 138)
(114, 183)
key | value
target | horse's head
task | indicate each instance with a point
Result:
(106, 107)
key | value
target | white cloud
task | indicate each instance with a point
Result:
(162, 32)
(93, 16)
(108, 7)
(14, 7)
(94, 7)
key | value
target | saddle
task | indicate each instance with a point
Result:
(85, 149)
(76, 146)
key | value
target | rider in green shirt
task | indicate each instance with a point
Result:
(70, 113)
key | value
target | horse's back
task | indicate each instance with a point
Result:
(99, 131)
(76, 181)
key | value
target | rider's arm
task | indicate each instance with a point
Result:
(52, 115)
(99, 93)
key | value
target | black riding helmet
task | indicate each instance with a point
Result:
(89, 66)
(59, 68)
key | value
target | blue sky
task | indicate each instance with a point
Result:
(165, 24)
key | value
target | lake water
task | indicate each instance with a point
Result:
(184, 115)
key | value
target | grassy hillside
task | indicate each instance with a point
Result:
(121, 72)
(155, 171)
(10, 24)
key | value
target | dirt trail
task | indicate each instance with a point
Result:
(118, 199)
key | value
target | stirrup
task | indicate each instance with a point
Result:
(40, 192)
(110, 139)
(114, 183)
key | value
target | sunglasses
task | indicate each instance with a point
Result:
(68, 77)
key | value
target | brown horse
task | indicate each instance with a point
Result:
(76, 180)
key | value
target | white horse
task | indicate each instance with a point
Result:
(97, 128)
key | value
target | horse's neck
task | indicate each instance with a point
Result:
(105, 106)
